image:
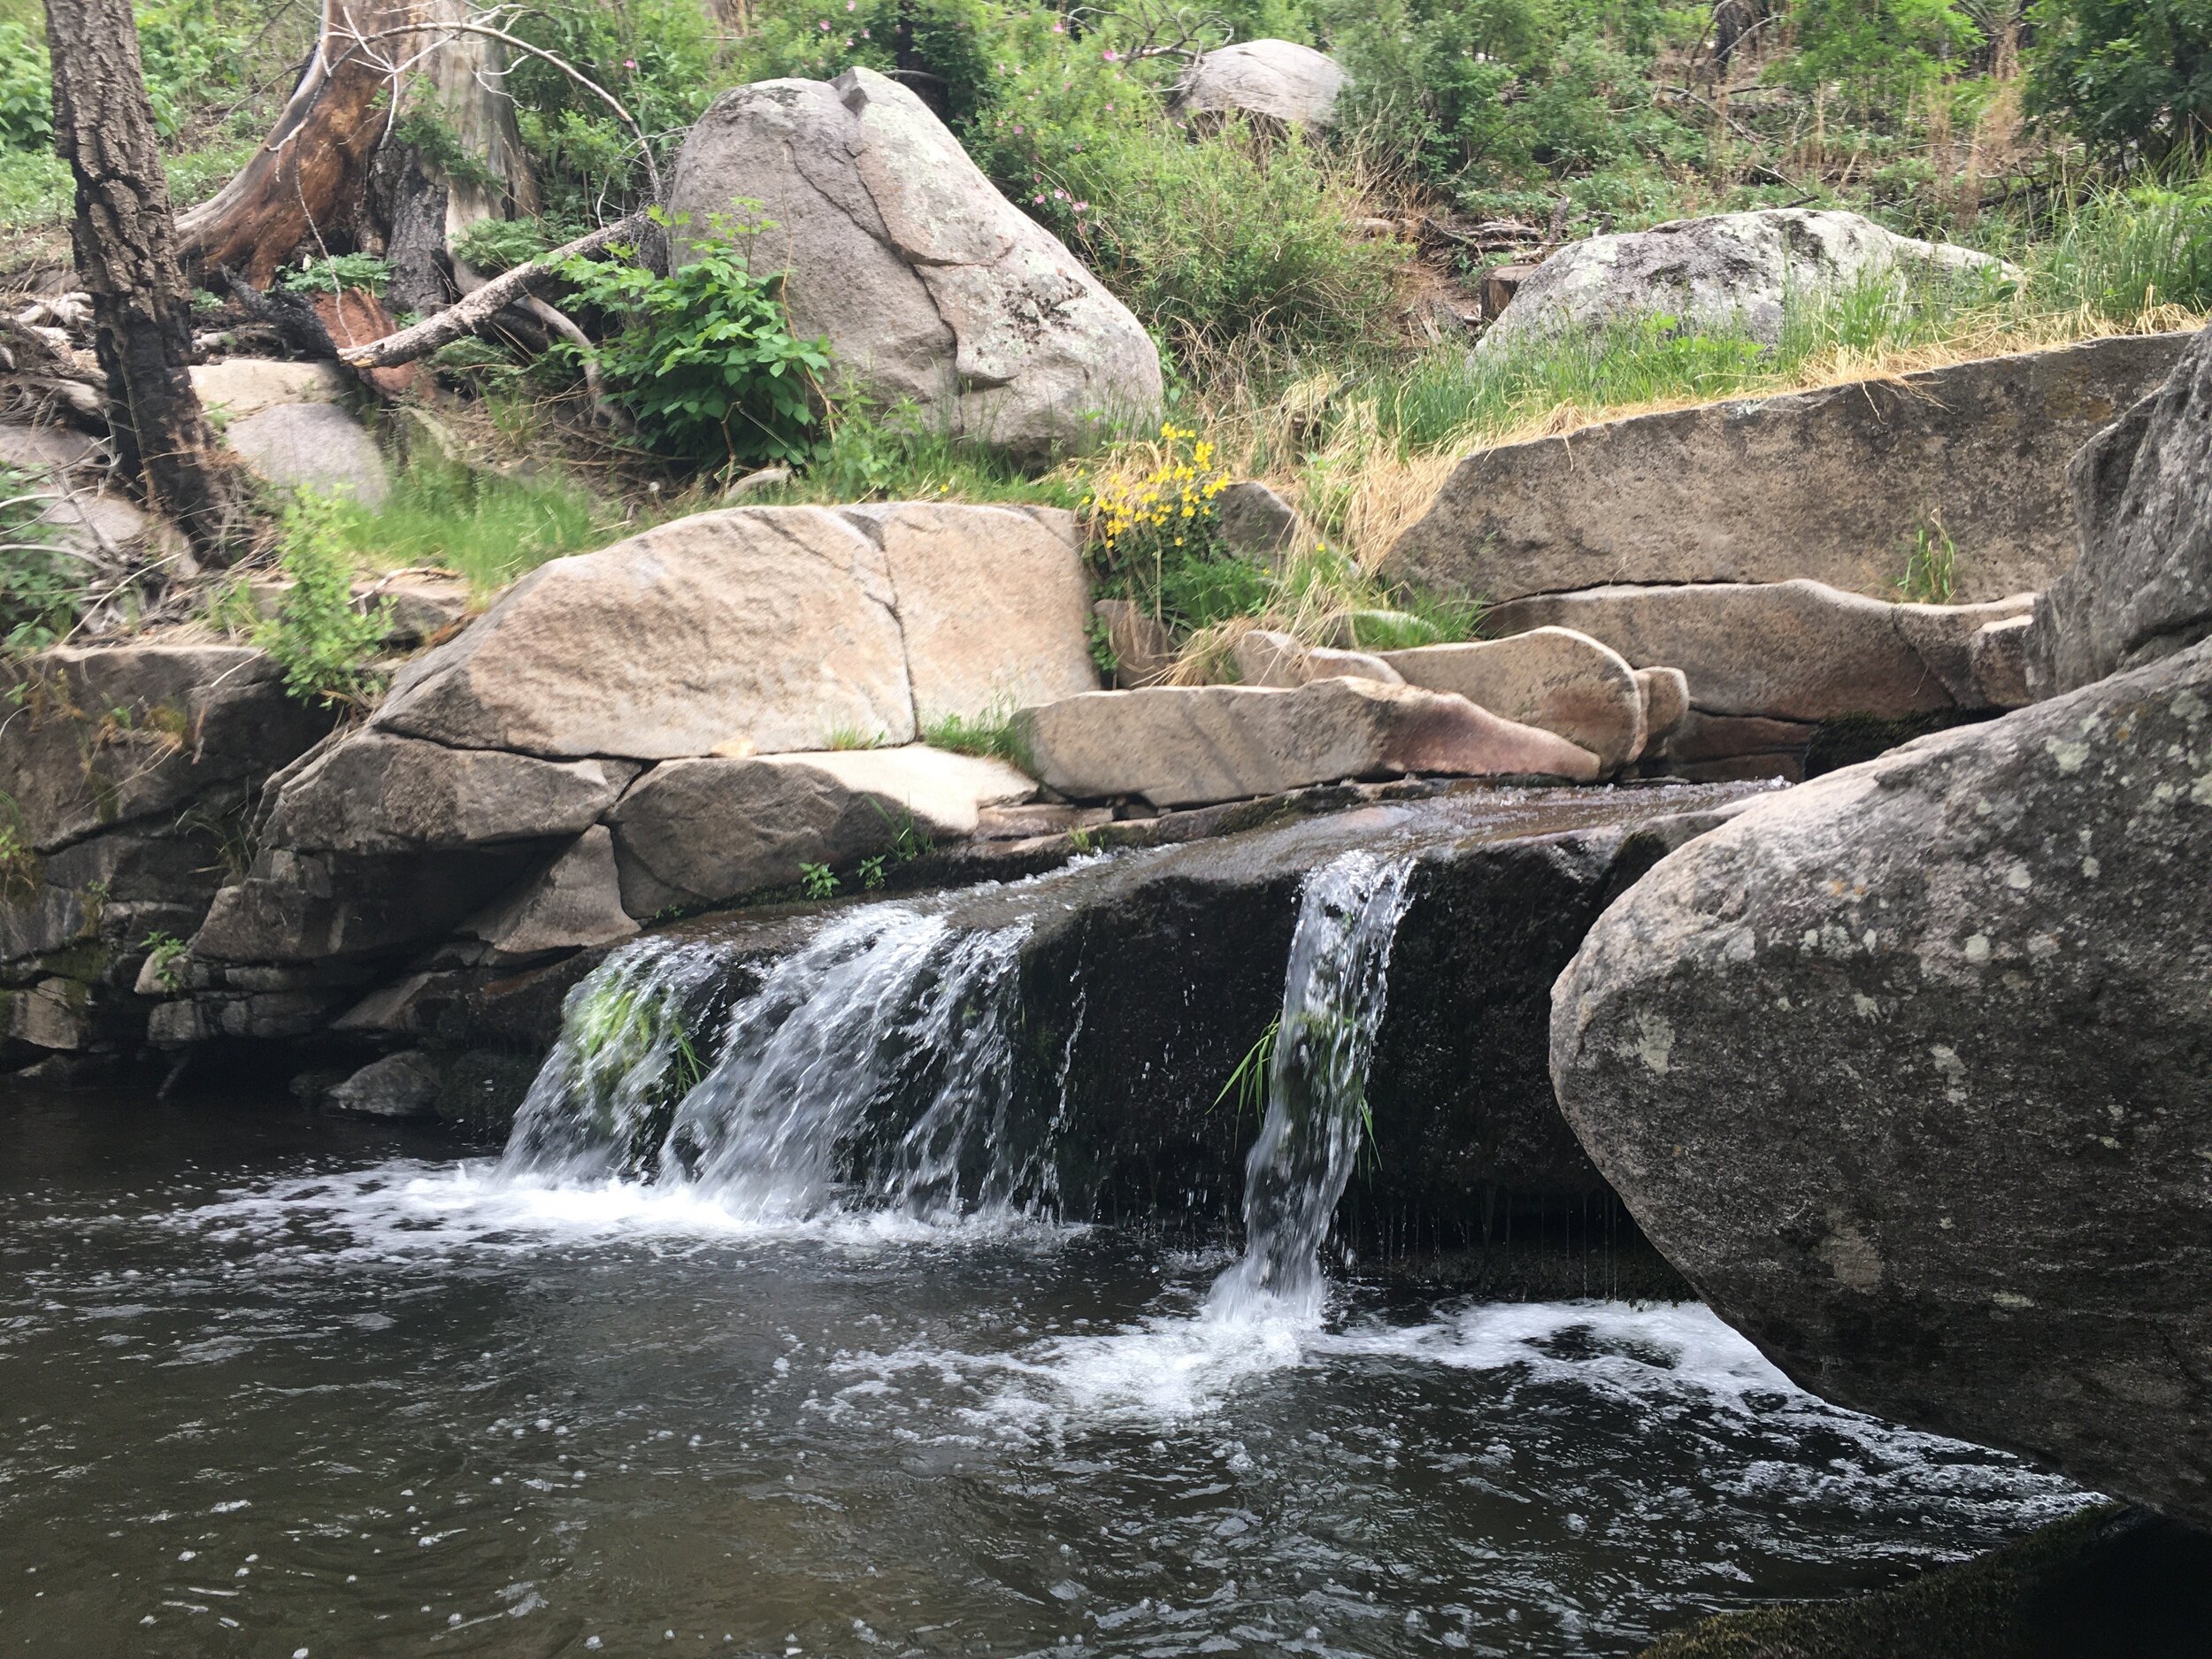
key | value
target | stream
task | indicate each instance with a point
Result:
(763, 1336)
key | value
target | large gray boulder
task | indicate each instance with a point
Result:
(577, 902)
(698, 832)
(2142, 589)
(1910, 1070)
(763, 630)
(1279, 80)
(1187, 745)
(929, 285)
(1834, 485)
(1797, 650)
(1551, 678)
(1726, 271)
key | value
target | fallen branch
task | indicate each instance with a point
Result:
(467, 315)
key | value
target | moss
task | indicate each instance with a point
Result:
(2107, 1581)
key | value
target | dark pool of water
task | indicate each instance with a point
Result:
(272, 1384)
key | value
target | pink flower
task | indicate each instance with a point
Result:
(863, 34)
(850, 4)
(1110, 55)
(1059, 28)
(1109, 109)
(629, 63)
(1039, 200)
(825, 25)
(1082, 207)
(1018, 126)
(1059, 196)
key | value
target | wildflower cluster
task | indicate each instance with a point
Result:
(1173, 501)
(1157, 533)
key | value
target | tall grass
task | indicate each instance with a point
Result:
(489, 526)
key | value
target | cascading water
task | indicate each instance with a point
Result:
(1316, 1108)
(879, 1056)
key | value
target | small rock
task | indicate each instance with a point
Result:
(1726, 270)
(1998, 655)
(1190, 745)
(1796, 650)
(44, 449)
(1021, 823)
(398, 1085)
(577, 902)
(1666, 694)
(1264, 657)
(1551, 678)
(312, 446)
(374, 793)
(1279, 80)
(1143, 649)
(1256, 522)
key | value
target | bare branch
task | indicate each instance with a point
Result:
(469, 314)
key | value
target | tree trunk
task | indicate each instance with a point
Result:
(311, 179)
(125, 247)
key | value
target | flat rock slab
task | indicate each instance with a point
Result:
(374, 793)
(699, 832)
(1551, 678)
(44, 449)
(1723, 271)
(1796, 650)
(930, 287)
(1278, 80)
(315, 447)
(764, 630)
(1910, 1070)
(2142, 589)
(1187, 745)
(1832, 485)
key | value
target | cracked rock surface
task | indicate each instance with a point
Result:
(929, 285)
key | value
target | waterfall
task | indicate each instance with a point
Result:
(1317, 1083)
(877, 1062)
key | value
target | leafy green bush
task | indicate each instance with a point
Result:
(42, 588)
(324, 644)
(2126, 73)
(333, 274)
(1881, 52)
(26, 116)
(657, 56)
(948, 51)
(704, 357)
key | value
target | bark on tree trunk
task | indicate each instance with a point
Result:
(311, 178)
(125, 247)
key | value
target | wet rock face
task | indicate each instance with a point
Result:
(2142, 589)
(1141, 996)
(1910, 1070)
(929, 285)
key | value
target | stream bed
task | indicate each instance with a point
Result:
(272, 1384)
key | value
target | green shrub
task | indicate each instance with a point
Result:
(324, 644)
(334, 273)
(2121, 252)
(2126, 73)
(27, 113)
(1881, 52)
(704, 357)
(41, 587)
